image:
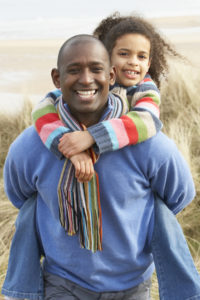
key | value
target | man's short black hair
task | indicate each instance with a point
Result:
(76, 40)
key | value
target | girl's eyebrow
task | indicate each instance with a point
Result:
(144, 53)
(123, 49)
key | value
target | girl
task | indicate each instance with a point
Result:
(138, 54)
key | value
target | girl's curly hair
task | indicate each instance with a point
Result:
(114, 26)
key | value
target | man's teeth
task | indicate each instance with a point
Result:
(86, 93)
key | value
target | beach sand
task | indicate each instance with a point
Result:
(186, 42)
(26, 65)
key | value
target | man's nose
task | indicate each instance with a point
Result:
(86, 77)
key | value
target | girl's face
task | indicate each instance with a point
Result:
(131, 58)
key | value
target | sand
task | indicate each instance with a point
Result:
(186, 42)
(26, 65)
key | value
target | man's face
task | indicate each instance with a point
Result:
(84, 78)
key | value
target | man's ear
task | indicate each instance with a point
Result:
(112, 75)
(55, 77)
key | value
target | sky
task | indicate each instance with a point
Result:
(28, 19)
(31, 9)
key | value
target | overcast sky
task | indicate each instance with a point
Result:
(31, 9)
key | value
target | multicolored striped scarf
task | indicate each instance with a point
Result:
(79, 203)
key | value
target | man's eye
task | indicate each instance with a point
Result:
(73, 71)
(97, 69)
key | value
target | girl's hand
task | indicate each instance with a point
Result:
(75, 142)
(84, 169)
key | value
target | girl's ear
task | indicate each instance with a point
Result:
(112, 75)
(55, 77)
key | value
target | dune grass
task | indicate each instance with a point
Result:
(180, 113)
(11, 125)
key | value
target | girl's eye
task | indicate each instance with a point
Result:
(142, 56)
(123, 54)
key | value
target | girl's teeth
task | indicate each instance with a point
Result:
(131, 72)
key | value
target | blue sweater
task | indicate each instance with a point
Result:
(128, 180)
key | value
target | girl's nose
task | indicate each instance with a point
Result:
(133, 61)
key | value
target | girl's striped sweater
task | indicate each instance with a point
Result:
(139, 124)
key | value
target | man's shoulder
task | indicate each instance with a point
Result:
(27, 141)
(27, 133)
(159, 141)
(159, 147)
(156, 152)
(162, 141)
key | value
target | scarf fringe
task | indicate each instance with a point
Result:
(80, 209)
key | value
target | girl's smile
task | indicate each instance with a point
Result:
(131, 74)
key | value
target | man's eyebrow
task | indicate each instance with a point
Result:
(75, 64)
(97, 63)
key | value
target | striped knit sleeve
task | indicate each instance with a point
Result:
(47, 122)
(139, 124)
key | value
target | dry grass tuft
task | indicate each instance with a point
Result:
(180, 112)
(11, 126)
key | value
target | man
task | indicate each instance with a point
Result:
(128, 180)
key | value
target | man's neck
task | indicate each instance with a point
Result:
(87, 119)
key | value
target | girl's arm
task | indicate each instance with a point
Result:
(47, 122)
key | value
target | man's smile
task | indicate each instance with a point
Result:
(86, 94)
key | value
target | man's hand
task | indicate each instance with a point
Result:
(75, 142)
(83, 165)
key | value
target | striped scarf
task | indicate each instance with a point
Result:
(79, 203)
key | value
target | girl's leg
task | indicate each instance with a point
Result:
(177, 275)
(24, 276)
